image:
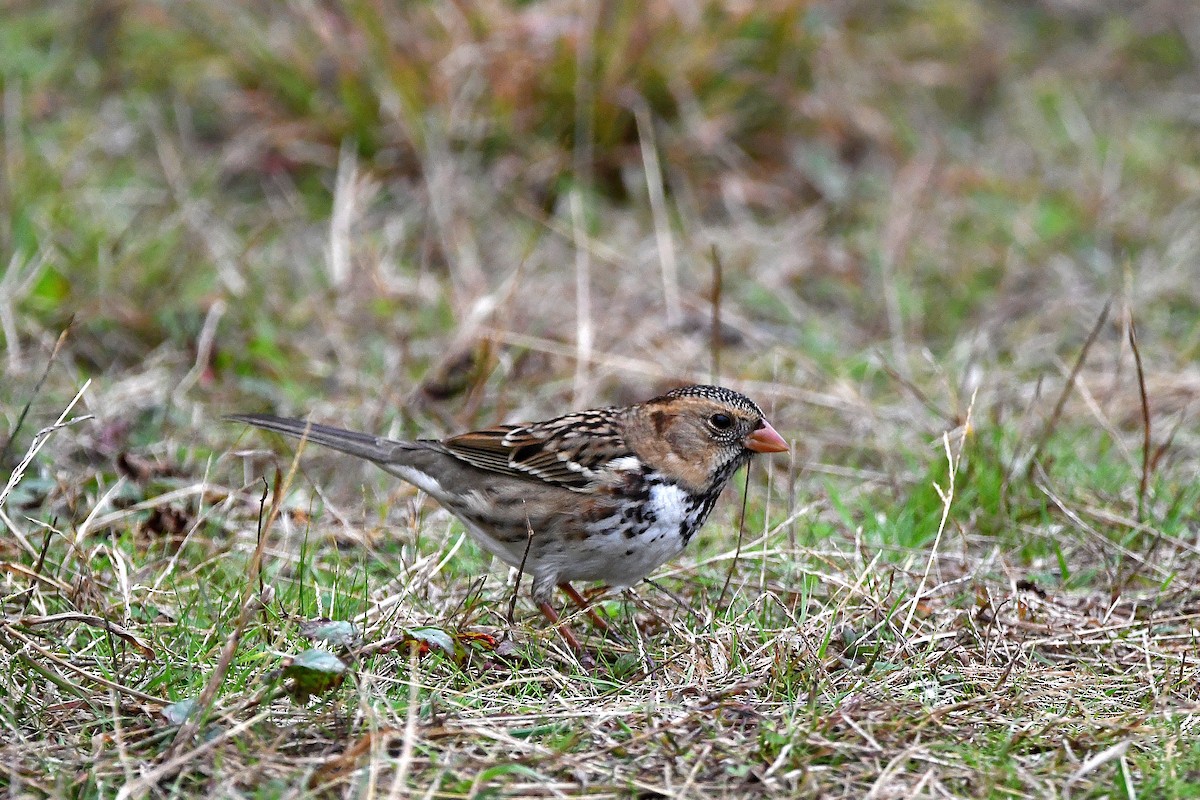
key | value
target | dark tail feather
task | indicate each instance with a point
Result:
(363, 445)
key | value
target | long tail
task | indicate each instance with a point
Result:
(373, 448)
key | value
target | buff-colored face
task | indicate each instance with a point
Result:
(693, 437)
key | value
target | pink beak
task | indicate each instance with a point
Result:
(766, 440)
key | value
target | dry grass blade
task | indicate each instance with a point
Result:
(1068, 386)
(251, 602)
(408, 746)
(953, 461)
(584, 330)
(99, 680)
(583, 159)
(737, 552)
(658, 208)
(1089, 766)
(22, 273)
(37, 387)
(946, 183)
(145, 783)
(1144, 484)
(945, 416)
(95, 621)
(39, 440)
(716, 333)
(907, 191)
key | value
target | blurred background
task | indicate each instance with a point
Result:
(420, 217)
(950, 246)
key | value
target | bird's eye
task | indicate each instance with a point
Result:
(721, 422)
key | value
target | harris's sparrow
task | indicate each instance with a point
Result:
(601, 495)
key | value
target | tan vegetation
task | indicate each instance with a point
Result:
(937, 228)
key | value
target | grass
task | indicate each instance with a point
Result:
(972, 578)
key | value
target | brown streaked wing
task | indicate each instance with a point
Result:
(485, 449)
(558, 454)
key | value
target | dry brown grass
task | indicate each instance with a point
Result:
(950, 589)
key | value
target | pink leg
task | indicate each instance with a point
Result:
(565, 629)
(584, 605)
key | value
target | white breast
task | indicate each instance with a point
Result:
(609, 555)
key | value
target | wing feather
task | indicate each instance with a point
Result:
(570, 451)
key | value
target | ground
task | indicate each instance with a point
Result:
(950, 247)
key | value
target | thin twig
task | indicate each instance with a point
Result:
(1052, 422)
(1147, 456)
(259, 528)
(953, 460)
(39, 440)
(717, 287)
(205, 342)
(408, 744)
(737, 550)
(37, 388)
(658, 210)
(37, 568)
(512, 601)
(946, 417)
(1165, 445)
(95, 621)
(1141, 376)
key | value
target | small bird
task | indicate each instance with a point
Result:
(607, 494)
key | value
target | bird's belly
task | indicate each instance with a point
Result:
(618, 544)
(621, 562)
(512, 552)
(623, 549)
